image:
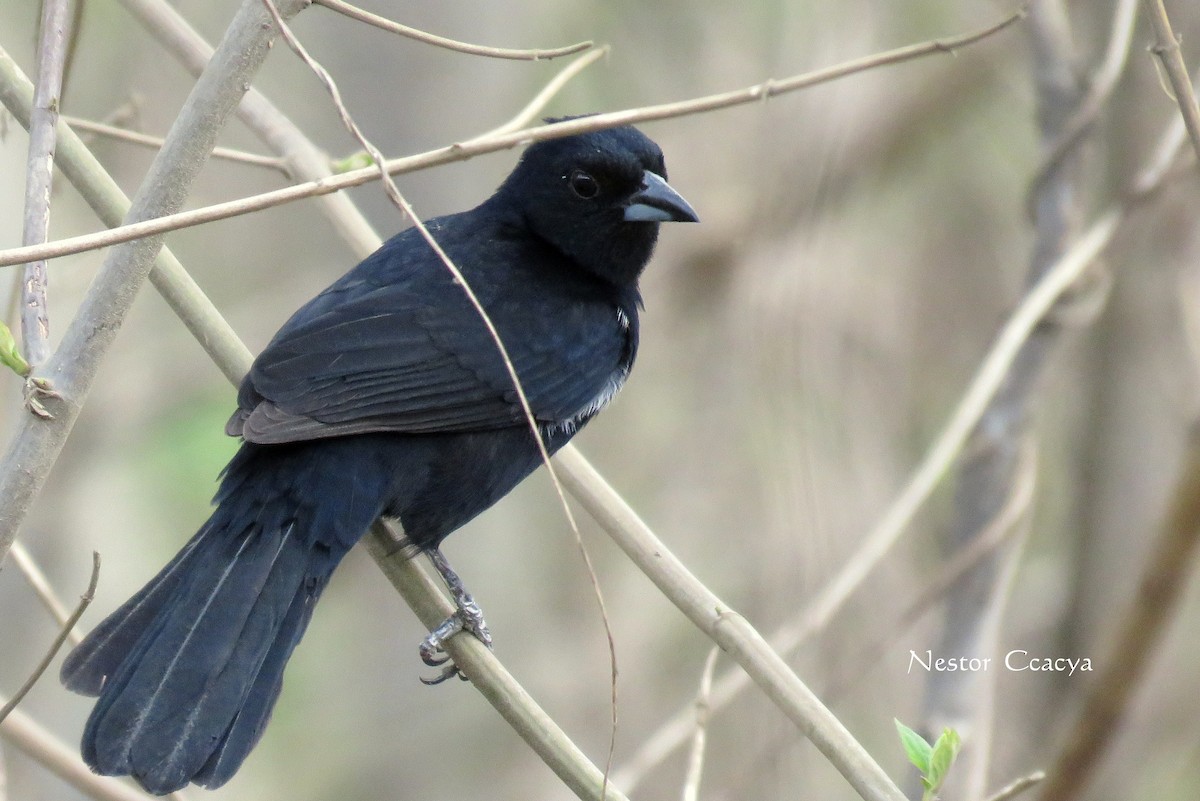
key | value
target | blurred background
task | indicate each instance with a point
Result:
(861, 243)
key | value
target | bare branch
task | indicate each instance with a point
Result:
(63, 761)
(937, 461)
(989, 469)
(402, 204)
(383, 23)
(1123, 668)
(37, 443)
(769, 90)
(1010, 521)
(422, 592)
(111, 205)
(695, 768)
(41, 587)
(35, 318)
(67, 627)
(234, 359)
(134, 137)
(535, 106)
(302, 159)
(1167, 48)
(476, 147)
(1103, 83)
(728, 629)
(987, 380)
(1018, 786)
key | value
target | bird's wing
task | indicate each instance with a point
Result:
(415, 357)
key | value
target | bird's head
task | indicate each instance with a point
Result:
(598, 198)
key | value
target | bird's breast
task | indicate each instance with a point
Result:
(611, 386)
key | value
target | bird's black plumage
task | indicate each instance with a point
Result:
(384, 395)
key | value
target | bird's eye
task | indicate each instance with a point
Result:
(584, 185)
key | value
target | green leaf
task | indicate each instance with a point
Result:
(353, 162)
(918, 750)
(10, 354)
(944, 752)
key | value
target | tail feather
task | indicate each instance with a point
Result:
(188, 670)
(168, 710)
(110, 644)
(247, 727)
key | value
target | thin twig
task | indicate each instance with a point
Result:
(535, 106)
(616, 122)
(945, 448)
(695, 766)
(1000, 530)
(36, 444)
(41, 586)
(1104, 81)
(52, 45)
(401, 203)
(137, 138)
(305, 162)
(879, 541)
(990, 464)
(105, 197)
(1017, 786)
(383, 23)
(303, 159)
(1167, 48)
(421, 590)
(476, 147)
(63, 761)
(1122, 669)
(550, 743)
(728, 629)
(63, 633)
(929, 473)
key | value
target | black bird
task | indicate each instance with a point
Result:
(383, 396)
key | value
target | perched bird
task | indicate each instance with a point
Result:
(385, 395)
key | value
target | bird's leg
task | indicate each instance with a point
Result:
(468, 616)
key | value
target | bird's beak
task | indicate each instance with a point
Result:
(656, 201)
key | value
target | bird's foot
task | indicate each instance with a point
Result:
(467, 617)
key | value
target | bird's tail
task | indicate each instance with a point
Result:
(187, 671)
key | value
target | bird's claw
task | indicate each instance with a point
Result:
(468, 617)
(37, 390)
(433, 656)
(447, 673)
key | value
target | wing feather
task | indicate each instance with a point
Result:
(396, 346)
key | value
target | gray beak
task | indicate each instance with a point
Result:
(656, 201)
